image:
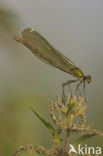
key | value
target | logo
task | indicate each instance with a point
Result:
(85, 149)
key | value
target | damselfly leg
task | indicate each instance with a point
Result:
(70, 89)
(77, 90)
(63, 86)
(84, 91)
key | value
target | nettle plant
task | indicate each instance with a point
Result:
(63, 116)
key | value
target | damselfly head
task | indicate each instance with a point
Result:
(88, 78)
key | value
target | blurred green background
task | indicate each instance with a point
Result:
(73, 27)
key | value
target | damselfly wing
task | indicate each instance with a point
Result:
(41, 48)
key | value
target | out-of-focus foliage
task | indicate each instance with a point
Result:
(7, 19)
(10, 101)
(17, 123)
(9, 25)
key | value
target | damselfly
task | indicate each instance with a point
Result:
(48, 54)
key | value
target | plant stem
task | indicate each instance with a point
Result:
(66, 143)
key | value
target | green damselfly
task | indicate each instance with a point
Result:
(48, 54)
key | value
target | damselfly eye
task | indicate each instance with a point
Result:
(88, 78)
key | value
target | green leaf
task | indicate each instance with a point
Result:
(82, 139)
(45, 122)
